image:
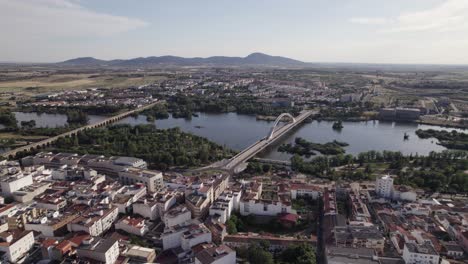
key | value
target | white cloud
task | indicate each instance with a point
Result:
(449, 16)
(369, 20)
(24, 20)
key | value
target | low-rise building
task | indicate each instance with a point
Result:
(305, 190)
(153, 180)
(195, 235)
(138, 254)
(177, 216)
(198, 204)
(51, 200)
(147, 207)
(359, 236)
(211, 254)
(265, 207)
(223, 207)
(453, 250)
(100, 250)
(420, 254)
(126, 196)
(51, 224)
(406, 114)
(28, 193)
(13, 180)
(153, 206)
(95, 221)
(16, 244)
(186, 235)
(340, 255)
(130, 162)
(133, 225)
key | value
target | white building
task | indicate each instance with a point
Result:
(133, 225)
(177, 216)
(186, 236)
(348, 98)
(28, 193)
(154, 206)
(51, 224)
(126, 196)
(384, 186)
(415, 209)
(171, 236)
(260, 207)
(146, 208)
(14, 181)
(195, 236)
(224, 205)
(101, 250)
(305, 190)
(420, 254)
(139, 254)
(153, 180)
(404, 193)
(95, 222)
(16, 245)
(130, 162)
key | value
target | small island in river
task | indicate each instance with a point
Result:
(303, 147)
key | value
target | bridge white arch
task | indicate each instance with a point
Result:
(278, 119)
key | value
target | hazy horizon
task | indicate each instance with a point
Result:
(423, 32)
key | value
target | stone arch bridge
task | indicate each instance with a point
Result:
(47, 142)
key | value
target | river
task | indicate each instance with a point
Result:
(239, 131)
(50, 120)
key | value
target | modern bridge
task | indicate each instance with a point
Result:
(47, 142)
(274, 134)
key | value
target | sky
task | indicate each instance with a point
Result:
(357, 31)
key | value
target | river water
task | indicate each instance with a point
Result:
(239, 131)
(50, 120)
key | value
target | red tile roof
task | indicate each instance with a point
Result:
(288, 217)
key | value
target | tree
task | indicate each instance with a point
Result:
(231, 227)
(264, 244)
(368, 169)
(266, 168)
(300, 254)
(256, 254)
(28, 124)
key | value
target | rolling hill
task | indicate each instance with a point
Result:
(254, 59)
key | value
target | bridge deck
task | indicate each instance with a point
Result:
(258, 146)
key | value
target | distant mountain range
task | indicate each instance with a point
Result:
(254, 59)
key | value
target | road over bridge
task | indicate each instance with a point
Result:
(47, 142)
(263, 143)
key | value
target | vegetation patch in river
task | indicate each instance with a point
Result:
(449, 139)
(7, 118)
(161, 148)
(306, 148)
(338, 125)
